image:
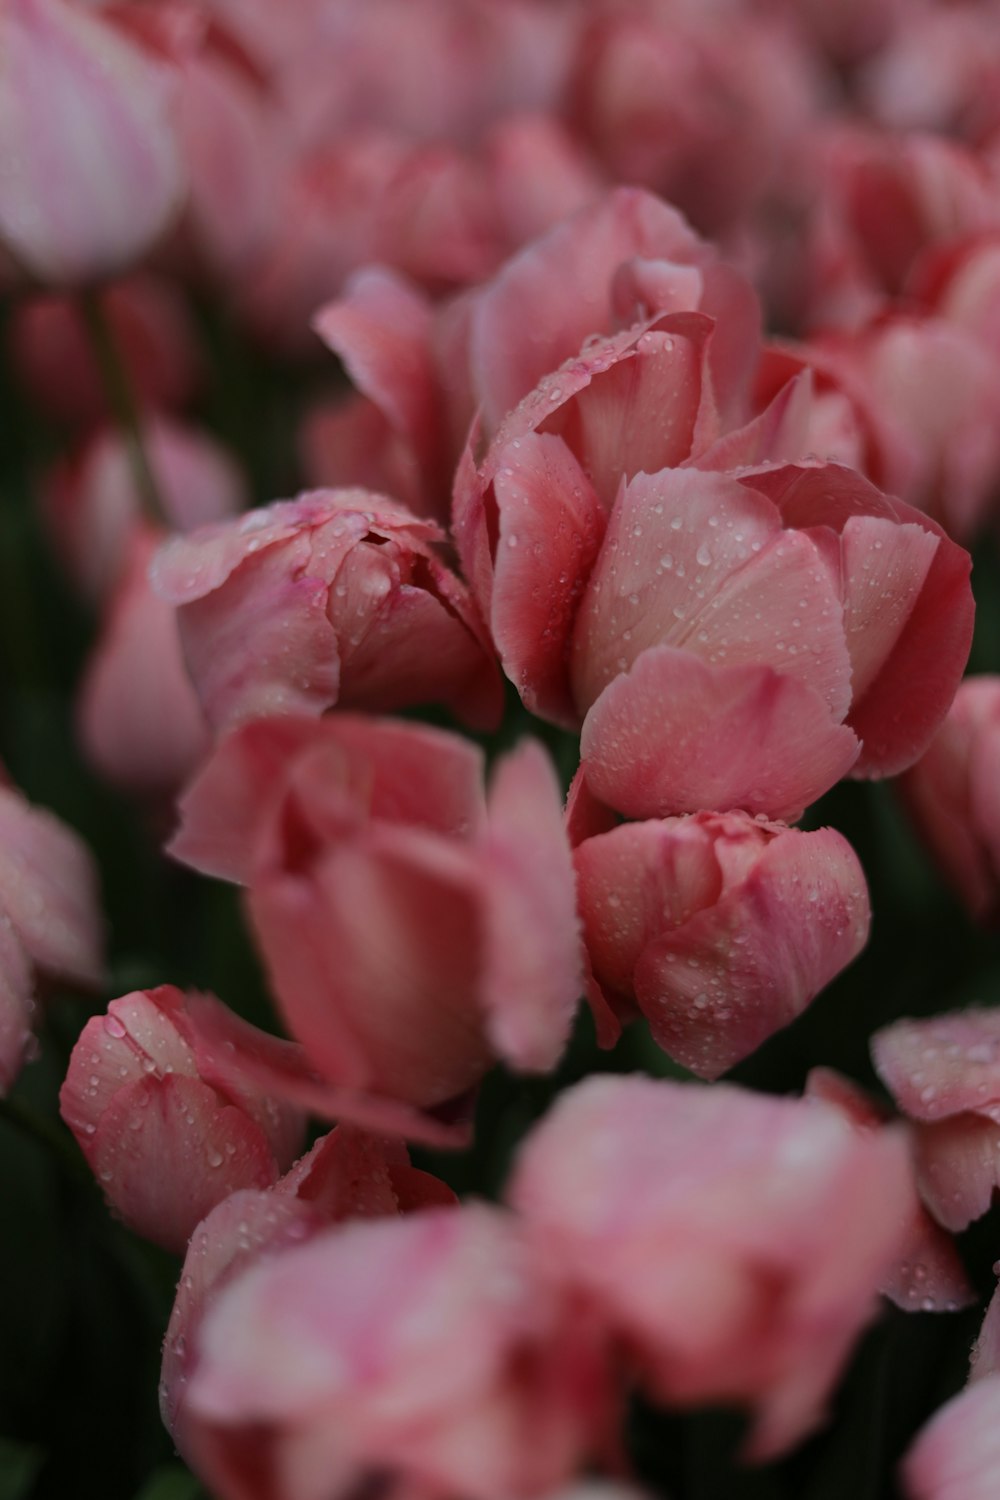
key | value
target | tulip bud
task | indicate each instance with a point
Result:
(90, 173)
(165, 1142)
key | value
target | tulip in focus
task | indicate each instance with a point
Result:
(731, 1242)
(718, 928)
(90, 173)
(953, 796)
(165, 1139)
(338, 597)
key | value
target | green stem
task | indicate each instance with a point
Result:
(121, 399)
(44, 1133)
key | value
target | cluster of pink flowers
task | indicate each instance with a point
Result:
(571, 482)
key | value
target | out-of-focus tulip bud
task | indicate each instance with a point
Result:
(336, 597)
(953, 796)
(944, 1073)
(50, 922)
(138, 717)
(90, 173)
(153, 333)
(91, 503)
(957, 1455)
(414, 928)
(347, 1175)
(719, 929)
(930, 1276)
(441, 1358)
(732, 1243)
(164, 1139)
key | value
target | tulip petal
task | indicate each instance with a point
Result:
(404, 773)
(942, 1065)
(533, 961)
(714, 989)
(203, 1150)
(676, 735)
(550, 529)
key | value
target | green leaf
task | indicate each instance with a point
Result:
(19, 1463)
(170, 1483)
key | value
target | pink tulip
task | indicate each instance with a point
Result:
(165, 1138)
(153, 333)
(957, 1455)
(427, 1348)
(944, 1073)
(421, 373)
(346, 1175)
(914, 403)
(709, 114)
(881, 202)
(90, 174)
(413, 928)
(719, 929)
(91, 503)
(952, 796)
(930, 1276)
(337, 597)
(960, 282)
(732, 1243)
(17, 1006)
(726, 638)
(138, 717)
(49, 893)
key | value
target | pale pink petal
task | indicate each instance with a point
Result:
(942, 1065)
(958, 1167)
(733, 1241)
(539, 309)
(91, 174)
(16, 1004)
(267, 646)
(885, 566)
(930, 1276)
(905, 702)
(695, 560)
(139, 1037)
(985, 1358)
(244, 1227)
(381, 328)
(404, 773)
(439, 1355)
(403, 643)
(645, 410)
(957, 1455)
(550, 529)
(779, 431)
(634, 882)
(49, 890)
(230, 1048)
(677, 735)
(715, 988)
(139, 719)
(167, 1150)
(375, 960)
(533, 959)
